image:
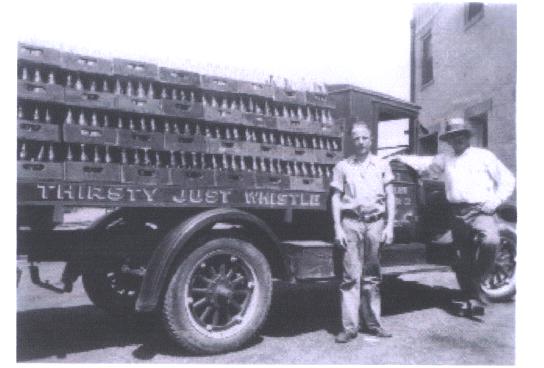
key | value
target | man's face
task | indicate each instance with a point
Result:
(362, 139)
(459, 142)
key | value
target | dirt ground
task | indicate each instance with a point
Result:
(67, 328)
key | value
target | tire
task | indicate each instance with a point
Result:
(218, 297)
(500, 286)
(111, 289)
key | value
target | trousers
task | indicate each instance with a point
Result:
(359, 289)
(476, 237)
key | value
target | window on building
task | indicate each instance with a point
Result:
(479, 130)
(473, 13)
(426, 60)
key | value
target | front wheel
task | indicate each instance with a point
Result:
(500, 285)
(218, 297)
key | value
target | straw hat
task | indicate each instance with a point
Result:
(455, 126)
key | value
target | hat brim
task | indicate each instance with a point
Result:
(448, 135)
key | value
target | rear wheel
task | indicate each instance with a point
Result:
(112, 285)
(218, 297)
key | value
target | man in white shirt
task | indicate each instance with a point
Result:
(362, 199)
(476, 184)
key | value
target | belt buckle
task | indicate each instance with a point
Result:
(368, 218)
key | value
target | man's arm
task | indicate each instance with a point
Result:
(504, 180)
(504, 184)
(336, 207)
(434, 165)
(388, 231)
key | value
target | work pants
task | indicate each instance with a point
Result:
(476, 237)
(361, 263)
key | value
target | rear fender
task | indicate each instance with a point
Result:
(165, 255)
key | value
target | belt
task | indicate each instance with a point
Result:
(368, 218)
(464, 208)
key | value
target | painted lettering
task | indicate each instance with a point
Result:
(195, 196)
(293, 199)
(182, 198)
(132, 192)
(61, 191)
(302, 200)
(150, 193)
(211, 196)
(251, 197)
(225, 195)
(282, 199)
(314, 200)
(96, 193)
(115, 194)
(43, 191)
(264, 199)
(81, 192)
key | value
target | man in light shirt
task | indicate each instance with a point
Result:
(363, 198)
(476, 184)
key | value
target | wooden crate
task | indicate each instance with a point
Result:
(33, 130)
(138, 104)
(131, 68)
(36, 54)
(73, 133)
(87, 64)
(179, 77)
(182, 109)
(236, 179)
(185, 143)
(33, 170)
(139, 174)
(137, 139)
(40, 91)
(92, 172)
(219, 84)
(192, 178)
(101, 100)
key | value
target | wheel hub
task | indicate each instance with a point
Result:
(219, 292)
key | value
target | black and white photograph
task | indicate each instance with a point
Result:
(266, 182)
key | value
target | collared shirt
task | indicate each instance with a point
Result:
(475, 176)
(362, 184)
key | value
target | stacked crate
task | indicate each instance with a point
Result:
(92, 120)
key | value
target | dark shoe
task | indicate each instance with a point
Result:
(345, 336)
(378, 332)
(476, 308)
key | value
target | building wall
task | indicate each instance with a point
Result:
(474, 71)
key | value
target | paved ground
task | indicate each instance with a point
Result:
(66, 328)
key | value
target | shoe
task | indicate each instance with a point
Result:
(378, 332)
(476, 308)
(345, 336)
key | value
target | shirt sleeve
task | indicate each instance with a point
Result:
(338, 177)
(433, 164)
(503, 178)
(388, 175)
(436, 167)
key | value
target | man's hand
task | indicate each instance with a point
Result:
(340, 236)
(387, 234)
(490, 206)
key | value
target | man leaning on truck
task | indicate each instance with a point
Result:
(363, 195)
(476, 184)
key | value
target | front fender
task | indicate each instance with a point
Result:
(170, 247)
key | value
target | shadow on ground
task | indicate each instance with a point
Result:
(57, 332)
